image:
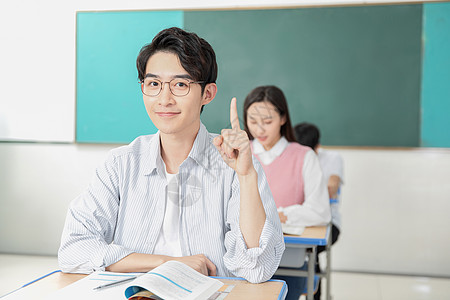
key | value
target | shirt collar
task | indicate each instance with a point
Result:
(153, 159)
(276, 150)
(201, 143)
(153, 155)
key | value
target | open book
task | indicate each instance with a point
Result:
(172, 280)
(292, 229)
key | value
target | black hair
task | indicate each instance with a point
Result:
(275, 96)
(307, 134)
(196, 55)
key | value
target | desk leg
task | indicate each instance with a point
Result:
(328, 270)
(311, 272)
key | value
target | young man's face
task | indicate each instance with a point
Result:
(169, 113)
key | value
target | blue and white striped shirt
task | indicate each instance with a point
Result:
(122, 212)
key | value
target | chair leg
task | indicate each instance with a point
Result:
(311, 272)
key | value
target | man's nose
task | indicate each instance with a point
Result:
(165, 96)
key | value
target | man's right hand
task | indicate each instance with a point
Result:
(200, 263)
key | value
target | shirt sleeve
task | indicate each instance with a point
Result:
(260, 263)
(87, 239)
(315, 210)
(337, 166)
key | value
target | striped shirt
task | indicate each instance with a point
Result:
(122, 212)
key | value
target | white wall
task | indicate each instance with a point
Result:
(396, 208)
(395, 202)
(37, 182)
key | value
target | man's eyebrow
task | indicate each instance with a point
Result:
(150, 75)
(184, 76)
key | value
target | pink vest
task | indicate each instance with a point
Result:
(285, 176)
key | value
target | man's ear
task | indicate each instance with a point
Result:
(209, 93)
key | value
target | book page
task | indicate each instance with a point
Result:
(292, 229)
(175, 280)
(84, 288)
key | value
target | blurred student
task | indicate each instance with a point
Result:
(292, 170)
(333, 170)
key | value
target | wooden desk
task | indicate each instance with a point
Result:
(269, 290)
(314, 235)
(310, 238)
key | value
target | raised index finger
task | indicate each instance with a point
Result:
(234, 119)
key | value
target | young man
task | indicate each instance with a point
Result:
(333, 171)
(180, 194)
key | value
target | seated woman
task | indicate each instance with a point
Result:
(292, 170)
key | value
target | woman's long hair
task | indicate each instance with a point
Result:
(275, 96)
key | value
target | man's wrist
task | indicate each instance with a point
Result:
(249, 177)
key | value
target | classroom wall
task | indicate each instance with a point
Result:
(395, 210)
(394, 201)
(395, 204)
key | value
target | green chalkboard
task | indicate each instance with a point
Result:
(353, 71)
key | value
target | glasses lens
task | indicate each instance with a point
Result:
(179, 86)
(151, 87)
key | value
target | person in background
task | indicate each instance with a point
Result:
(292, 170)
(183, 193)
(333, 170)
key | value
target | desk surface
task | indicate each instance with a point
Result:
(242, 289)
(314, 235)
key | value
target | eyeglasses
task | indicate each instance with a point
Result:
(177, 86)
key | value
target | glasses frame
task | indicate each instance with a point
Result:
(170, 89)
